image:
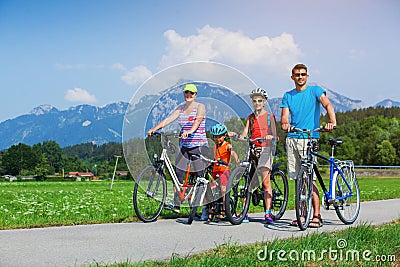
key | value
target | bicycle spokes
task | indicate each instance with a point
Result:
(347, 203)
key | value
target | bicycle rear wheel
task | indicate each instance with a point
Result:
(347, 204)
(303, 199)
(196, 201)
(280, 193)
(237, 198)
(149, 194)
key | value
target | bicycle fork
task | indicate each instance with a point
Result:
(160, 175)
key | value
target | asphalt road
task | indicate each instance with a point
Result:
(111, 243)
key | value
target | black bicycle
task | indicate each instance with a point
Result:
(280, 192)
(240, 188)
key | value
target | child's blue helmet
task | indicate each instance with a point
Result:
(218, 129)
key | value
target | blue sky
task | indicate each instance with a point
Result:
(65, 53)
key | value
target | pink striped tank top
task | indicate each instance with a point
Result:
(186, 121)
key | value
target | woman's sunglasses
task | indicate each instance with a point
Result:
(189, 92)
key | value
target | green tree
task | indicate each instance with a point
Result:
(19, 157)
(346, 150)
(43, 168)
(52, 152)
(385, 153)
(73, 163)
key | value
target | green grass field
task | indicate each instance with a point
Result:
(41, 204)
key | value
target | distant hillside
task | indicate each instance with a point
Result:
(99, 125)
(80, 124)
(387, 103)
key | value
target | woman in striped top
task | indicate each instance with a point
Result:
(191, 118)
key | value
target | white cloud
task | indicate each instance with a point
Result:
(220, 45)
(79, 95)
(274, 54)
(118, 66)
(136, 75)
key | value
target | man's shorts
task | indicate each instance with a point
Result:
(295, 149)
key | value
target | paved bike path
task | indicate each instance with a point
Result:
(111, 243)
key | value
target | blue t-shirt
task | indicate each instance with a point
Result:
(304, 108)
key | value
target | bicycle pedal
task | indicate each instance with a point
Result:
(168, 206)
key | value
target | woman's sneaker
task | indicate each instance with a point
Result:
(246, 219)
(269, 218)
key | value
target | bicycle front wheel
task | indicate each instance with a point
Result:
(280, 193)
(303, 199)
(347, 204)
(149, 194)
(237, 199)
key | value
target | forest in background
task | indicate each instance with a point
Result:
(371, 137)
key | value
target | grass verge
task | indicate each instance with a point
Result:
(355, 246)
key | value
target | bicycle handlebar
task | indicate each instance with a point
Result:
(294, 129)
(259, 140)
(220, 161)
(175, 135)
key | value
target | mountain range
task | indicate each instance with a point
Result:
(87, 123)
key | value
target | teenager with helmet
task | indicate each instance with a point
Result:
(261, 124)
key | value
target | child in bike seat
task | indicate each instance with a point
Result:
(222, 150)
(261, 124)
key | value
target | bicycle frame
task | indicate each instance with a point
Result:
(334, 171)
(164, 157)
(250, 167)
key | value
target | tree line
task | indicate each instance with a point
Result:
(371, 137)
(48, 158)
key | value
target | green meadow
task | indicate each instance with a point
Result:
(42, 204)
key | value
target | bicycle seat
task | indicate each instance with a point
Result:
(335, 141)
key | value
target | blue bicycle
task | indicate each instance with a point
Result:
(343, 192)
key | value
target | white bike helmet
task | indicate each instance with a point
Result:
(259, 92)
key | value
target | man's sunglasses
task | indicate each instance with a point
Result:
(300, 74)
(189, 92)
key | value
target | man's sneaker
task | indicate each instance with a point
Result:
(269, 218)
(246, 219)
(176, 209)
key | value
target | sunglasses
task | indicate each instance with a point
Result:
(258, 100)
(300, 74)
(189, 92)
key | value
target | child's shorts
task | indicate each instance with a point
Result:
(223, 177)
(266, 158)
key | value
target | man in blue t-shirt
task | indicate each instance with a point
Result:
(303, 105)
